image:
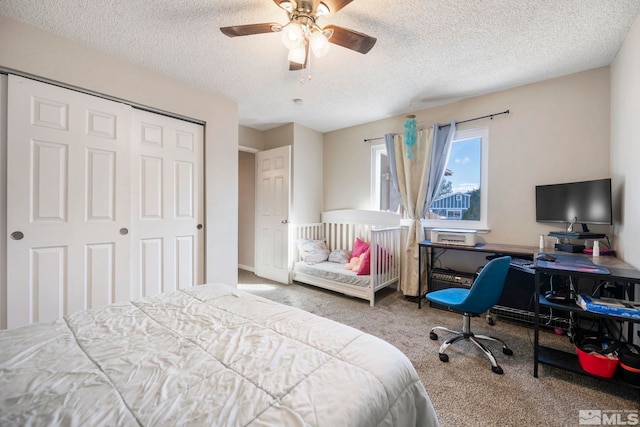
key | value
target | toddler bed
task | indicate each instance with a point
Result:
(207, 355)
(322, 250)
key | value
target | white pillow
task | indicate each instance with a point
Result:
(341, 256)
(313, 251)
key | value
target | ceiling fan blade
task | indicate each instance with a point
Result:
(334, 5)
(247, 30)
(350, 39)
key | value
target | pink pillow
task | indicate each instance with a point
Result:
(384, 261)
(365, 265)
(359, 247)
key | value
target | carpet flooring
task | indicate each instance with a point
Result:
(464, 391)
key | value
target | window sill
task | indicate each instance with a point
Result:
(480, 230)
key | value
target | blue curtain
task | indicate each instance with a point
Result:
(391, 153)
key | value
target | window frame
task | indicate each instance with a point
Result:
(481, 224)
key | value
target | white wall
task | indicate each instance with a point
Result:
(307, 175)
(625, 145)
(557, 131)
(250, 139)
(30, 50)
(246, 210)
(306, 181)
(278, 137)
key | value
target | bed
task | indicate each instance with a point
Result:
(207, 355)
(340, 229)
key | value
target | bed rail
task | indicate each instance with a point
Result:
(386, 259)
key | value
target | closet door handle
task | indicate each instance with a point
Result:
(285, 221)
(199, 226)
(17, 235)
(124, 231)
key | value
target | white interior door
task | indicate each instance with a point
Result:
(273, 200)
(168, 212)
(68, 198)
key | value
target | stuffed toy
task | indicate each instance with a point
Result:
(354, 264)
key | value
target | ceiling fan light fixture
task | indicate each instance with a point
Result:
(292, 35)
(323, 9)
(319, 43)
(286, 5)
(297, 54)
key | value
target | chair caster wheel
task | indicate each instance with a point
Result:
(497, 369)
(443, 357)
(433, 336)
(507, 351)
(490, 321)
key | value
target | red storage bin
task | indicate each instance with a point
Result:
(597, 364)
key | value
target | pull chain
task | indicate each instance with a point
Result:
(308, 70)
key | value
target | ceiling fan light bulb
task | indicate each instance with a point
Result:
(292, 35)
(319, 43)
(297, 54)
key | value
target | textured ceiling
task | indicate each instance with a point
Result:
(429, 52)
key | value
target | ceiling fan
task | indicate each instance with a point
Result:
(302, 31)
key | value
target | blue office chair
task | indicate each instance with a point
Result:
(483, 294)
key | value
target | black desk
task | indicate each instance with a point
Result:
(620, 273)
(489, 248)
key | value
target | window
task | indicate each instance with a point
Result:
(384, 196)
(461, 201)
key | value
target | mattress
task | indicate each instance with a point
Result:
(332, 271)
(208, 355)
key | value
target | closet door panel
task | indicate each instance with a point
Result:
(101, 185)
(49, 171)
(100, 271)
(68, 195)
(168, 185)
(47, 285)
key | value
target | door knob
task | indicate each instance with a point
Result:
(124, 231)
(285, 221)
(17, 235)
(199, 226)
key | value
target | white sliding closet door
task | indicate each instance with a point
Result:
(105, 202)
(168, 212)
(68, 198)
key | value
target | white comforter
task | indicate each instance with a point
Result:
(210, 355)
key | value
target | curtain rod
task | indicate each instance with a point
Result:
(490, 116)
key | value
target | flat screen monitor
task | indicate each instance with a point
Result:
(586, 202)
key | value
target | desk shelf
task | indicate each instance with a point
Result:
(569, 360)
(573, 307)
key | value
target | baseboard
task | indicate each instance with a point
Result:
(246, 268)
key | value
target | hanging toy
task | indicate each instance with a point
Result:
(410, 135)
